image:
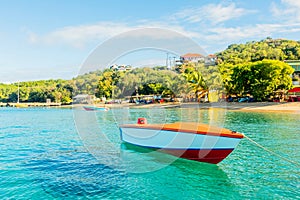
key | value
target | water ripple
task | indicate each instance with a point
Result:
(42, 157)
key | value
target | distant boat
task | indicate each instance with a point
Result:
(189, 140)
(95, 108)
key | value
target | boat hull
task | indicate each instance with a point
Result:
(211, 148)
(213, 156)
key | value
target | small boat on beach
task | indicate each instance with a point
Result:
(189, 140)
(95, 108)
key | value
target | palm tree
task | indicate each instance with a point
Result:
(197, 83)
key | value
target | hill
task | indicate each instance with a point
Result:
(234, 60)
(273, 49)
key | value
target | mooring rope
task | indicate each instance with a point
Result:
(271, 152)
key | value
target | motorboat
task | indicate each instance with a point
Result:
(95, 108)
(188, 140)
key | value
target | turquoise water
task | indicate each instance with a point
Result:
(44, 156)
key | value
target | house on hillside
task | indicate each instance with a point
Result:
(296, 75)
(121, 67)
(192, 57)
(211, 59)
(114, 67)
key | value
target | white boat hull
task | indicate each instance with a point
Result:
(201, 147)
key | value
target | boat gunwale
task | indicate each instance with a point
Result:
(223, 132)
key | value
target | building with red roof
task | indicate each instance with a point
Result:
(195, 57)
(191, 57)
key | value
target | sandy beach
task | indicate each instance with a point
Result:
(290, 107)
(276, 107)
(293, 107)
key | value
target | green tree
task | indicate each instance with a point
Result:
(260, 78)
(148, 81)
(197, 83)
(13, 97)
(37, 95)
(106, 84)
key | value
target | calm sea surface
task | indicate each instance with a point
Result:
(65, 154)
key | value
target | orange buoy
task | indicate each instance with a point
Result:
(142, 120)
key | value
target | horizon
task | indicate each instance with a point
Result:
(51, 39)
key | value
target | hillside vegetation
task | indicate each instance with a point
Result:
(254, 68)
(273, 49)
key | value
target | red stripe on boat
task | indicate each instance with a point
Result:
(213, 156)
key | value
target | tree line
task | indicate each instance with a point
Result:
(254, 68)
(37, 91)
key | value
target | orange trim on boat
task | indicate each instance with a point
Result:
(189, 127)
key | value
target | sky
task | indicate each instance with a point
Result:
(52, 39)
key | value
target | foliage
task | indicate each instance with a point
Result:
(259, 78)
(37, 91)
(108, 81)
(201, 79)
(86, 83)
(253, 68)
(145, 81)
(6, 91)
(196, 82)
(274, 49)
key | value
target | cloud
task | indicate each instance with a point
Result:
(78, 36)
(293, 3)
(203, 24)
(287, 10)
(213, 13)
(226, 34)
(81, 35)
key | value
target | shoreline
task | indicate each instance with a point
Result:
(283, 107)
(286, 107)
